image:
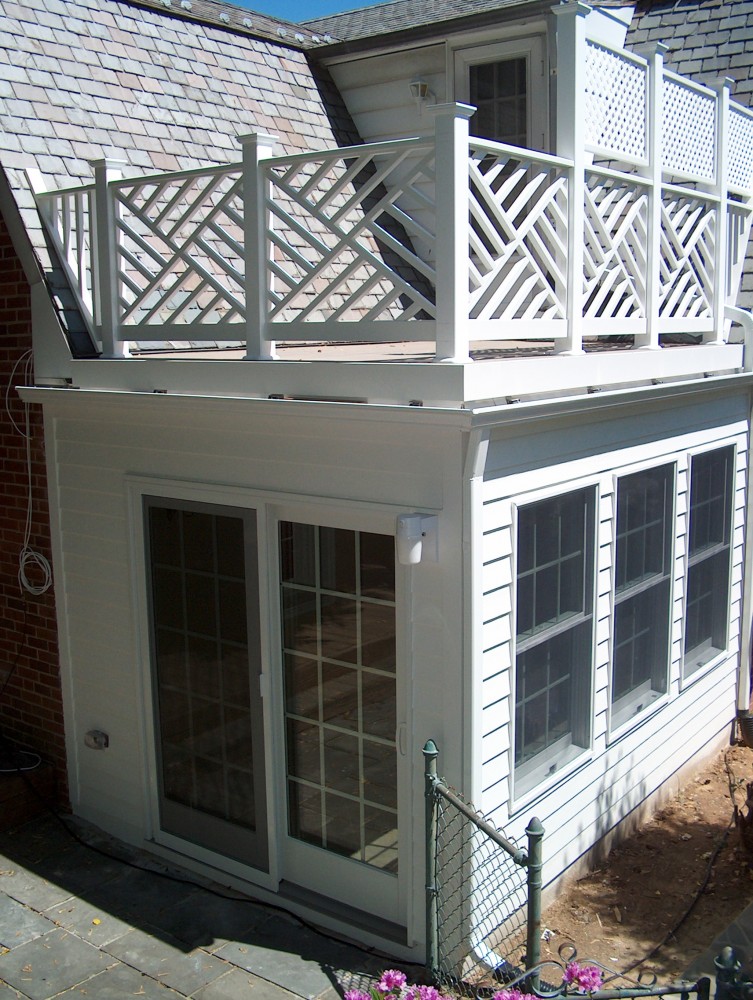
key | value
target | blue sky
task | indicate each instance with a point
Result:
(301, 10)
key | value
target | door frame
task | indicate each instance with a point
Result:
(296, 856)
(271, 507)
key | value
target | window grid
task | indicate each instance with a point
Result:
(201, 723)
(337, 769)
(708, 583)
(640, 650)
(553, 662)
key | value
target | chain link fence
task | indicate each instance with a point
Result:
(483, 893)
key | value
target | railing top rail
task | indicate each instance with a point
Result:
(59, 192)
(685, 81)
(177, 175)
(480, 145)
(634, 57)
(342, 152)
(518, 854)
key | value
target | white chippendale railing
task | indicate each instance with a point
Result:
(638, 225)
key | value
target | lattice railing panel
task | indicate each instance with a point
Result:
(615, 106)
(181, 248)
(615, 248)
(345, 226)
(518, 237)
(68, 216)
(688, 128)
(686, 273)
(740, 150)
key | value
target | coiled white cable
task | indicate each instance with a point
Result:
(29, 559)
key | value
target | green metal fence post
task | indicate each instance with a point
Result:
(535, 833)
(430, 773)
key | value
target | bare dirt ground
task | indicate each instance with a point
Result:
(620, 912)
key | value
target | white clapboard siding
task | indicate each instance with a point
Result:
(617, 773)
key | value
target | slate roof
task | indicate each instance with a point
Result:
(404, 15)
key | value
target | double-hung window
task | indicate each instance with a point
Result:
(640, 654)
(554, 628)
(707, 602)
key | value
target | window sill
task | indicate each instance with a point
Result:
(703, 661)
(545, 778)
(633, 711)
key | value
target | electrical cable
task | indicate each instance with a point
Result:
(29, 559)
(372, 952)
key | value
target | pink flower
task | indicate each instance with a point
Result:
(586, 978)
(428, 993)
(391, 980)
(512, 994)
(356, 995)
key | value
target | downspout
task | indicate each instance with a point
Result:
(745, 320)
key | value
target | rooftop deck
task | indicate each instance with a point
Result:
(450, 248)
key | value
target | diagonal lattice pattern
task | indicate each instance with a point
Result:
(615, 248)
(740, 149)
(180, 248)
(687, 257)
(351, 233)
(481, 905)
(518, 237)
(688, 128)
(615, 103)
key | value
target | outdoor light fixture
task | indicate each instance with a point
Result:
(419, 88)
(417, 538)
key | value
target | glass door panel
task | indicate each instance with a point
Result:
(339, 653)
(206, 661)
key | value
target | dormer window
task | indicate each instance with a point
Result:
(505, 82)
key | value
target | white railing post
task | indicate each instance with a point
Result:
(451, 198)
(105, 264)
(256, 147)
(721, 249)
(571, 141)
(654, 54)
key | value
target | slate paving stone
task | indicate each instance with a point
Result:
(167, 961)
(78, 869)
(212, 924)
(31, 889)
(136, 895)
(89, 922)
(291, 957)
(240, 985)
(46, 966)
(19, 924)
(119, 982)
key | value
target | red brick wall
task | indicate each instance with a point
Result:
(31, 710)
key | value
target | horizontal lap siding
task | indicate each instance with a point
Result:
(96, 446)
(614, 776)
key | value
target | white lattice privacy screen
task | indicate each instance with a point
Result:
(688, 128)
(740, 149)
(615, 103)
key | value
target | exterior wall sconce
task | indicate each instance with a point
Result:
(417, 538)
(420, 90)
